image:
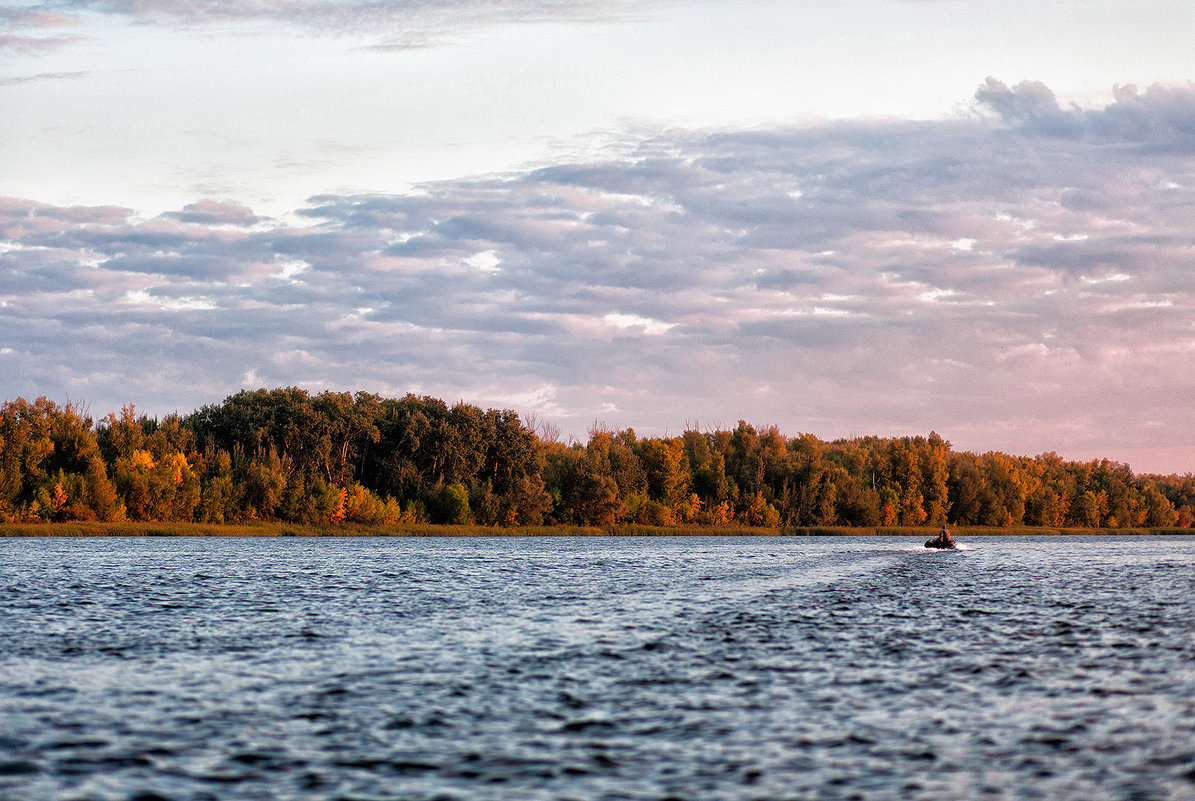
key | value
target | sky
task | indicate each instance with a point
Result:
(841, 218)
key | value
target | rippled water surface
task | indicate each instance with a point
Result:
(603, 668)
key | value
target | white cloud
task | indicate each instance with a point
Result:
(289, 268)
(634, 321)
(141, 297)
(486, 262)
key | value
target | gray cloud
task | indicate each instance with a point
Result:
(1161, 118)
(1019, 281)
(215, 212)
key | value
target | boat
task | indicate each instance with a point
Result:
(942, 542)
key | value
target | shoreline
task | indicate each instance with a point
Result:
(137, 529)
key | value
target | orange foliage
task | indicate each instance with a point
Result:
(338, 513)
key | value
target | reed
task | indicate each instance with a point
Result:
(279, 529)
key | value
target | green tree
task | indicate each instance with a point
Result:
(583, 494)
(219, 497)
(453, 506)
(809, 494)
(50, 463)
(266, 483)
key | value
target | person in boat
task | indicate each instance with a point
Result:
(943, 540)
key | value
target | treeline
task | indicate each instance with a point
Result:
(329, 458)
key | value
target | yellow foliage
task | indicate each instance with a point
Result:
(58, 499)
(177, 463)
(388, 512)
(888, 513)
(761, 513)
(721, 514)
(689, 510)
(413, 512)
(142, 460)
(360, 506)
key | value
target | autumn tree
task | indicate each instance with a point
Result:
(666, 469)
(51, 467)
(340, 457)
(935, 472)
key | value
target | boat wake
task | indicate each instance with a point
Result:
(959, 546)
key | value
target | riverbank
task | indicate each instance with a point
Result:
(141, 529)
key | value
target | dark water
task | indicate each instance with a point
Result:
(596, 669)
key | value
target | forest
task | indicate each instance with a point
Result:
(337, 457)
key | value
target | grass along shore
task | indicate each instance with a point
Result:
(142, 529)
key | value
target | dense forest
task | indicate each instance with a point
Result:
(284, 454)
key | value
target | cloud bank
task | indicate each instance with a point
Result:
(1020, 279)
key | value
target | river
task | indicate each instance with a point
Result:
(597, 668)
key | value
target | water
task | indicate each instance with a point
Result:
(696, 668)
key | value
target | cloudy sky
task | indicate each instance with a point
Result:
(841, 217)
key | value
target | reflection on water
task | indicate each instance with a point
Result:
(597, 668)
